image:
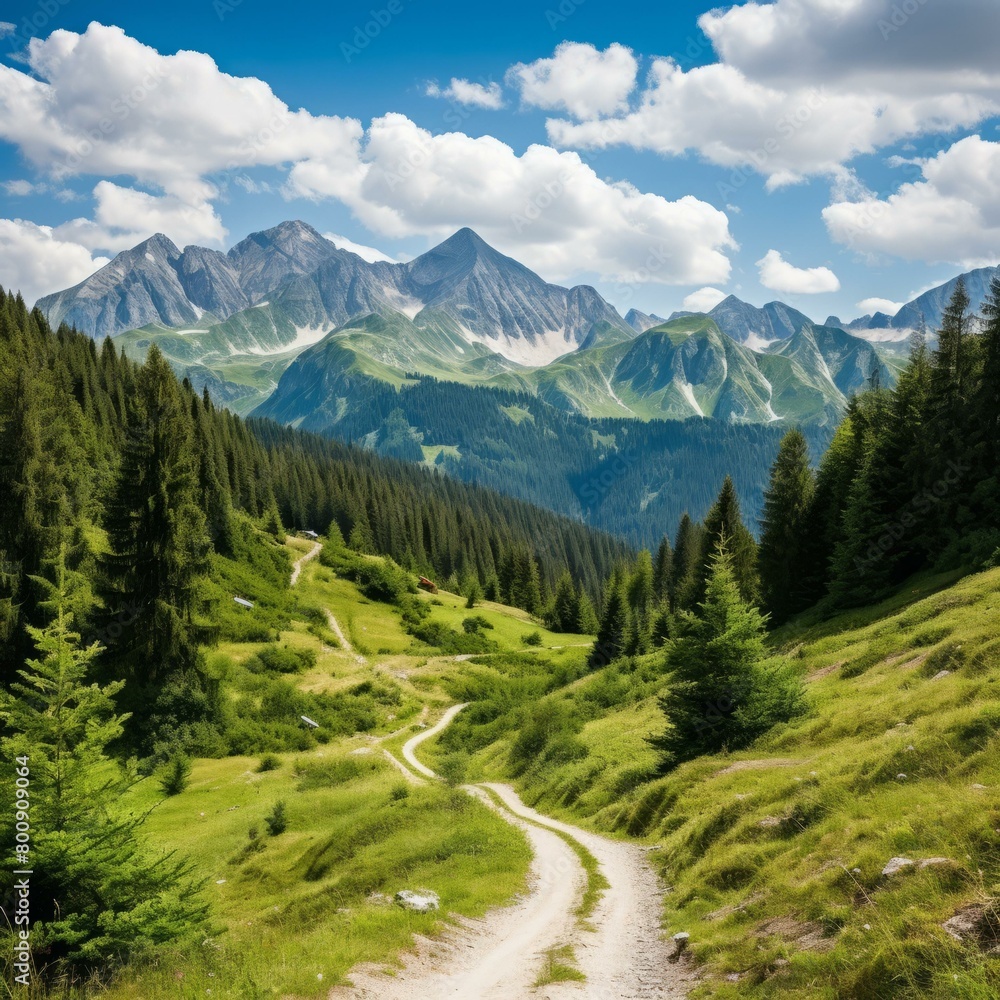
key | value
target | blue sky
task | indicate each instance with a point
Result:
(824, 152)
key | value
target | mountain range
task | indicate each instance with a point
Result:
(466, 360)
(462, 312)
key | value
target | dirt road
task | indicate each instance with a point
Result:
(300, 562)
(622, 951)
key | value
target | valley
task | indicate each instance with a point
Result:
(766, 852)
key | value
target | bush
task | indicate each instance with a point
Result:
(454, 768)
(269, 762)
(277, 821)
(384, 581)
(176, 776)
(532, 639)
(400, 792)
(475, 623)
(283, 659)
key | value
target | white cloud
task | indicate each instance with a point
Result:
(22, 188)
(548, 209)
(103, 104)
(478, 95)
(370, 254)
(704, 300)
(35, 261)
(578, 78)
(6, 28)
(802, 87)
(780, 276)
(877, 305)
(950, 216)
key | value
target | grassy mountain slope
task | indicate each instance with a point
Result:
(774, 857)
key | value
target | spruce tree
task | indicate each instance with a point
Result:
(157, 532)
(615, 624)
(718, 695)
(781, 558)
(985, 452)
(99, 896)
(684, 571)
(565, 611)
(663, 570)
(586, 623)
(724, 522)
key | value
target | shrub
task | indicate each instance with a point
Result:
(269, 762)
(384, 581)
(475, 623)
(532, 638)
(176, 776)
(285, 660)
(277, 821)
(454, 768)
(400, 792)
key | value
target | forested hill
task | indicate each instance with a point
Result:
(633, 478)
(138, 479)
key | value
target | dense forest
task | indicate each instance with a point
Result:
(631, 478)
(139, 480)
(909, 483)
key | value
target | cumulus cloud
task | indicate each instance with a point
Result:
(704, 300)
(578, 78)
(548, 209)
(125, 216)
(801, 87)
(780, 276)
(34, 260)
(478, 95)
(877, 305)
(950, 216)
(6, 29)
(103, 104)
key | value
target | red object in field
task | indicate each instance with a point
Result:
(426, 584)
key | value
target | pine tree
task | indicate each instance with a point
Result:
(825, 520)
(781, 557)
(98, 896)
(586, 623)
(725, 522)
(985, 452)
(687, 556)
(953, 358)
(663, 570)
(565, 611)
(719, 696)
(157, 532)
(613, 631)
(641, 596)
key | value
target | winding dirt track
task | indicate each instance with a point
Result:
(622, 952)
(299, 563)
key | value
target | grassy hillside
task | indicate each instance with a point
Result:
(774, 857)
(291, 914)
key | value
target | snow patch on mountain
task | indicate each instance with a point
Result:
(687, 390)
(758, 343)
